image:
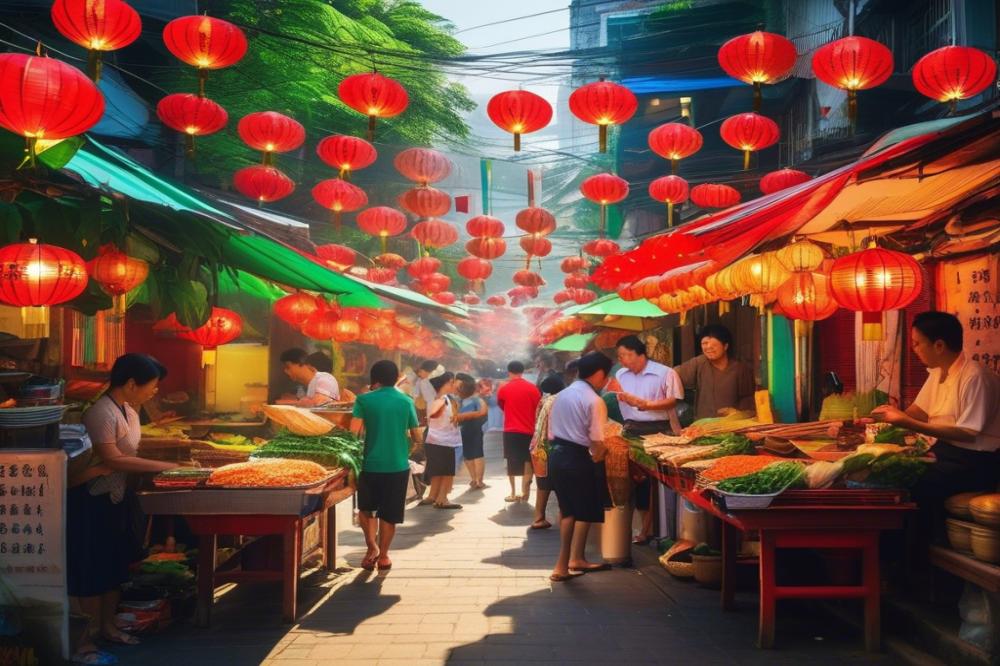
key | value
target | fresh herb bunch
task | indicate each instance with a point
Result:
(338, 448)
(772, 479)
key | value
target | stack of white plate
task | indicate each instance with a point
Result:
(30, 417)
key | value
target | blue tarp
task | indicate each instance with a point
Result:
(647, 85)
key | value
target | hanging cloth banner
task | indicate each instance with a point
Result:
(462, 203)
(486, 173)
(534, 187)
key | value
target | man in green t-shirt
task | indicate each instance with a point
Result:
(389, 421)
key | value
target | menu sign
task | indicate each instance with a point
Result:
(970, 289)
(34, 612)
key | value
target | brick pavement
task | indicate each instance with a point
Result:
(471, 587)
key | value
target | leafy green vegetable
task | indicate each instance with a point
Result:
(337, 448)
(896, 471)
(772, 479)
(705, 550)
(639, 455)
(891, 435)
(734, 445)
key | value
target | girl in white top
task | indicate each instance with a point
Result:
(443, 438)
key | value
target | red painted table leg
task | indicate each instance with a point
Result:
(292, 547)
(765, 629)
(730, 539)
(872, 584)
(206, 578)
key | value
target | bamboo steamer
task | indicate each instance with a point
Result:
(958, 505)
(985, 509)
(985, 544)
(960, 534)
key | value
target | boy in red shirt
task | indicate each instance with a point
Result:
(518, 398)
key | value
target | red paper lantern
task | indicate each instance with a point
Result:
(496, 301)
(581, 296)
(118, 274)
(526, 278)
(951, 73)
(339, 257)
(536, 220)
(270, 132)
(536, 246)
(749, 132)
(604, 188)
(782, 178)
(263, 184)
(564, 296)
(422, 267)
(714, 195)
(444, 298)
(670, 190)
(206, 43)
(853, 64)
(422, 165)
(97, 25)
(519, 112)
(192, 116)
(425, 201)
(674, 142)
(485, 226)
(223, 326)
(43, 98)
(390, 260)
(380, 275)
(346, 153)
(576, 281)
(603, 103)
(339, 196)
(573, 264)
(486, 248)
(873, 281)
(471, 299)
(806, 296)
(434, 233)
(383, 222)
(346, 330)
(373, 95)
(601, 247)
(522, 293)
(474, 268)
(296, 308)
(35, 276)
(434, 283)
(756, 58)
(322, 324)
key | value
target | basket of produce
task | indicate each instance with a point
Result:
(338, 448)
(707, 566)
(616, 464)
(758, 489)
(677, 559)
(297, 420)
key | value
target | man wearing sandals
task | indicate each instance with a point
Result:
(518, 398)
(576, 426)
(389, 421)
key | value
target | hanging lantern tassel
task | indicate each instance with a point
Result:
(746, 160)
(803, 328)
(603, 137)
(189, 145)
(209, 357)
(335, 215)
(756, 96)
(684, 316)
(604, 220)
(119, 305)
(670, 214)
(871, 327)
(852, 108)
(202, 79)
(383, 240)
(95, 64)
(36, 322)
(723, 308)
(371, 128)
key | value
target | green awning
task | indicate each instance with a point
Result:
(614, 305)
(572, 343)
(461, 343)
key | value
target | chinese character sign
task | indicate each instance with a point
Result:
(32, 547)
(969, 289)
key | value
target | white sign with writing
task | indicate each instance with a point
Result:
(33, 594)
(970, 289)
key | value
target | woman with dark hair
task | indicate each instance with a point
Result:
(471, 418)
(97, 551)
(443, 437)
(721, 383)
(549, 387)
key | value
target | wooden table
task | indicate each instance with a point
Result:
(842, 519)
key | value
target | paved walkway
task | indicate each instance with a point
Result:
(471, 587)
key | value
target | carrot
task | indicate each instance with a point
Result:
(733, 466)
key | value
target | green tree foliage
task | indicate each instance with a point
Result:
(300, 51)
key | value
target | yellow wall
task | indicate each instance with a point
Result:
(236, 366)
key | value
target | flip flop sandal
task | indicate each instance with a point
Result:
(597, 567)
(512, 498)
(541, 525)
(425, 502)
(94, 657)
(385, 567)
(562, 578)
(450, 505)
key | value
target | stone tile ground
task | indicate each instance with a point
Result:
(471, 587)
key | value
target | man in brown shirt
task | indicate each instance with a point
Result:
(722, 383)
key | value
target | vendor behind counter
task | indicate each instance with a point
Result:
(721, 382)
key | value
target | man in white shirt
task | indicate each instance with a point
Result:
(321, 386)
(576, 427)
(648, 402)
(957, 406)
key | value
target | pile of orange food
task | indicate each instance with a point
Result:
(269, 472)
(733, 466)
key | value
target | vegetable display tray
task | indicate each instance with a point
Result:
(220, 500)
(737, 502)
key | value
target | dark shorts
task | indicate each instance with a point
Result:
(97, 550)
(544, 482)
(574, 479)
(383, 494)
(440, 460)
(516, 451)
(472, 440)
